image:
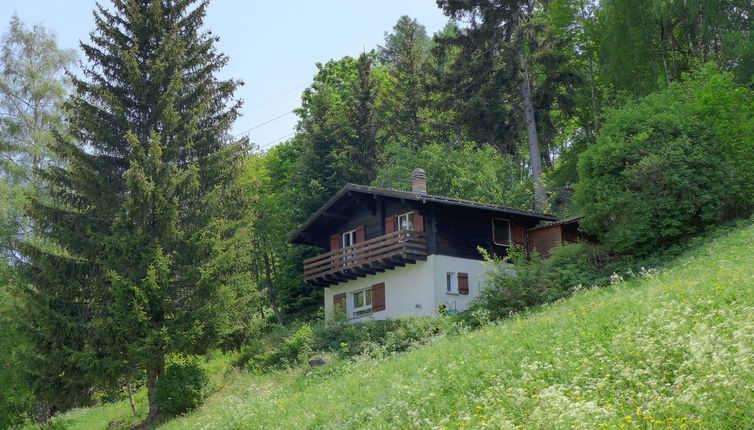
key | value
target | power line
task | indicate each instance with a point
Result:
(261, 124)
(275, 97)
(268, 144)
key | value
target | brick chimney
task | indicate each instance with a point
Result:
(419, 181)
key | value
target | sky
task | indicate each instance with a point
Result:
(273, 46)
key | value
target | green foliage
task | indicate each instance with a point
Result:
(338, 128)
(520, 281)
(464, 171)
(33, 86)
(670, 165)
(376, 338)
(404, 104)
(645, 44)
(277, 349)
(513, 283)
(573, 264)
(183, 386)
(15, 396)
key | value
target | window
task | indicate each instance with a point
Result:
(362, 302)
(406, 221)
(451, 283)
(348, 238)
(501, 232)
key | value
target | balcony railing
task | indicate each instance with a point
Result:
(366, 258)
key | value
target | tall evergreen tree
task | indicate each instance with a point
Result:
(501, 43)
(121, 275)
(337, 131)
(363, 145)
(406, 53)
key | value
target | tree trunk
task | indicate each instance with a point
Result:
(594, 97)
(43, 415)
(270, 291)
(531, 132)
(588, 50)
(154, 371)
(131, 398)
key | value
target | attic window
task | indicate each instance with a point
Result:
(501, 232)
(406, 221)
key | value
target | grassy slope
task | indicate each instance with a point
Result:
(673, 350)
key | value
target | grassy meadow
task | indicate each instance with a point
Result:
(667, 350)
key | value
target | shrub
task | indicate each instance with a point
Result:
(669, 165)
(183, 386)
(572, 264)
(279, 349)
(518, 281)
(513, 283)
(379, 337)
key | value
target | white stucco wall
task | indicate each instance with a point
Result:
(443, 264)
(416, 289)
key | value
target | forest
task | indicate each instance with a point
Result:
(134, 227)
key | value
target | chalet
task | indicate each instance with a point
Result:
(392, 253)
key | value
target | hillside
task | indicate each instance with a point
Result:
(669, 350)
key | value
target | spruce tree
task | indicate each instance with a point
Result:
(122, 272)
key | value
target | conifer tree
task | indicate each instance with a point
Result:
(122, 274)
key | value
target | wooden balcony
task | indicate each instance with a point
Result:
(366, 258)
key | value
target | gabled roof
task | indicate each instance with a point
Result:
(558, 222)
(408, 195)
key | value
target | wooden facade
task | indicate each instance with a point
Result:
(545, 237)
(360, 228)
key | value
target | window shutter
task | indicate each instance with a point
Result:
(390, 225)
(517, 231)
(334, 242)
(378, 297)
(339, 302)
(418, 221)
(360, 234)
(463, 283)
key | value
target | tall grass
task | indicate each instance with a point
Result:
(664, 350)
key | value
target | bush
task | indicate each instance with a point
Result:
(183, 386)
(379, 337)
(670, 165)
(513, 283)
(278, 350)
(572, 264)
(518, 282)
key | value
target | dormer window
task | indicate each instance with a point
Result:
(406, 221)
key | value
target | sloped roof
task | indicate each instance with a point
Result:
(558, 222)
(408, 195)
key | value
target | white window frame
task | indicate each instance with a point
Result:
(366, 308)
(510, 237)
(351, 235)
(409, 217)
(451, 283)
